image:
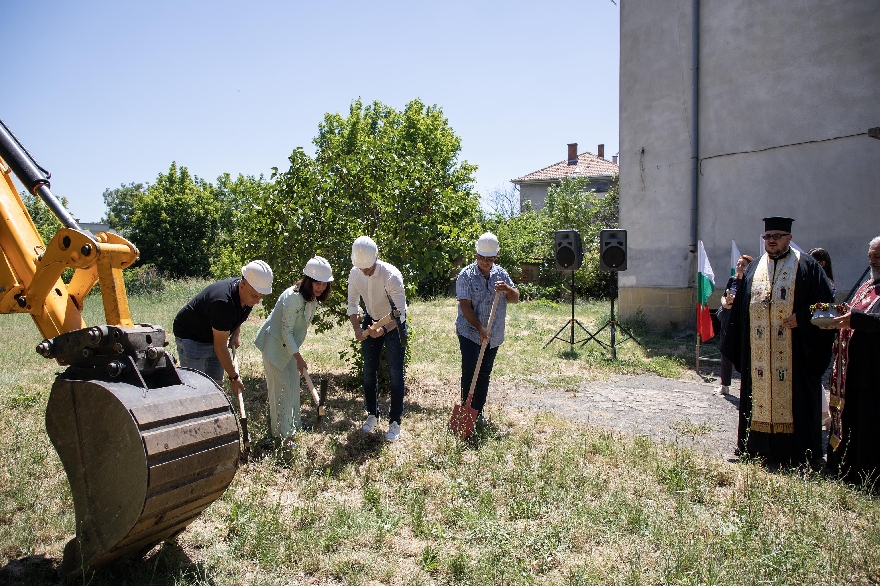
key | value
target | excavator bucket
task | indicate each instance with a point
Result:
(146, 446)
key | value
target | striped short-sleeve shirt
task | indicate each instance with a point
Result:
(479, 289)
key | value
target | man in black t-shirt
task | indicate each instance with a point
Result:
(209, 324)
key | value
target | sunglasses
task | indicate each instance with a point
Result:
(774, 236)
(489, 258)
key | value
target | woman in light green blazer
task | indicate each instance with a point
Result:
(280, 338)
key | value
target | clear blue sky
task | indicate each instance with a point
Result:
(108, 92)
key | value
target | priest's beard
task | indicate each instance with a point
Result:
(875, 272)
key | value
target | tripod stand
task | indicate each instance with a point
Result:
(571, 323)
(613, 323)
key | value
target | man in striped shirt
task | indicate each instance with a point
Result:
(475, 289)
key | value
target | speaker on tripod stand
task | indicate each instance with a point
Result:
(612, 258)
(569, 250)
(612, 250)
(569, 254)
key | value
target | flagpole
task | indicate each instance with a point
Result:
(697, 305)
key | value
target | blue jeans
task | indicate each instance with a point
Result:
(371, 348)
(470, 353)
(200, 356)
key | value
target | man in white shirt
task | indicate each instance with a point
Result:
(380, 286)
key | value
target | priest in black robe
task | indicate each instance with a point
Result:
(854, 444)
(779, 353)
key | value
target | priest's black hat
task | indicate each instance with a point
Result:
(777, 223)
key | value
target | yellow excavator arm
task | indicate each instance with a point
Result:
(146, 446)
(30, 270)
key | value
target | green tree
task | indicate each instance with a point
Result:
(404, 185)
(120, 204)
(234, 247)
(44, 220)
(571, 206)
(393, 175)
(524, 237)
(176, 224)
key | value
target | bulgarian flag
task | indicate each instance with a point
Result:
(705, 286)
(734, 256)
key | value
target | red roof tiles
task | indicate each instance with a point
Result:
(588, 165)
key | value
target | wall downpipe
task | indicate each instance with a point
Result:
(695, 121)
(695, 144)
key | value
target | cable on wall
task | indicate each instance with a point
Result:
(782, 146)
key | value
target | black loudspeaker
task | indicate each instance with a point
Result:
(569, 250)
(612, 250)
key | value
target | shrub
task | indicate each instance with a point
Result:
(143, 280)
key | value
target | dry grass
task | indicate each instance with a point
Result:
(532, 500)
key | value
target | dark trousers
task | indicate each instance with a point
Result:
(726, 370)
(470, 353)
(371, 349)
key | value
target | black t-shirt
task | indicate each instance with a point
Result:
(217, 307)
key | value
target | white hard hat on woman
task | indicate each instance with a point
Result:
(319, 269)
(364, 252)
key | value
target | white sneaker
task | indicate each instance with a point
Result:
(722, 390)
(393, 432)
(370, 424)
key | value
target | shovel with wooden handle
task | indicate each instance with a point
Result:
(464, 417)
(318, 399)
(245, 434)
(382, 322)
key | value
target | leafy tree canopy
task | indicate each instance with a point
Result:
(120, 203)
(392, 175)
(570, 206)
(527, 236)
(176, 224)
(44, 220)
(234, 243)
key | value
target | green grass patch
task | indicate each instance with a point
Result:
(533, 499)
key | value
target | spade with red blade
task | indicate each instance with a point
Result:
(464, 417)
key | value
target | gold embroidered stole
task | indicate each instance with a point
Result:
(772, 301)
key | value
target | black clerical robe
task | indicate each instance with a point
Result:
(858, 455)
(810, 356)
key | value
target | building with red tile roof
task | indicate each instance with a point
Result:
(602, 173)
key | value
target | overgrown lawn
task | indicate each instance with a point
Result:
(534, 499)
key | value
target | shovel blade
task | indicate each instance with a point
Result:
(463, 420)
(322, 401)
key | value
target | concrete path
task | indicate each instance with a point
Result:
(664, 409)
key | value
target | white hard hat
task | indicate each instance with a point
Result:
(259, 275)
(487, 245)
(364, 252)
(319, 269)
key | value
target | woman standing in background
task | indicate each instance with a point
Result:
(733, 284)
(824, 259)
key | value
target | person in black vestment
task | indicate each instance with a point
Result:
(779, 353)
(854, 444)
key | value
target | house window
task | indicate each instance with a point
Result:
(602, 186)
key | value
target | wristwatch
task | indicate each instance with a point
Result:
(384, 330)
(235, 377)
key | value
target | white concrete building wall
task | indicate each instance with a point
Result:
(771, 75)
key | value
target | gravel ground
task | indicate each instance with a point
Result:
(673, 410)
